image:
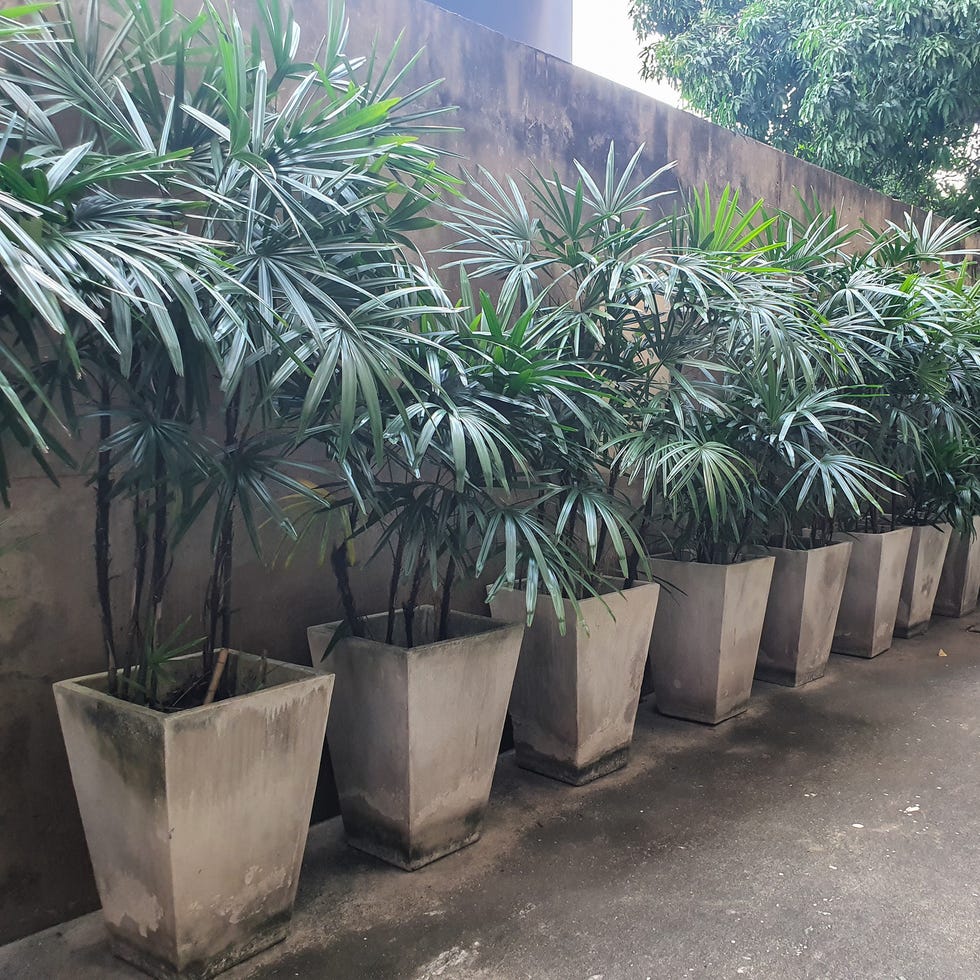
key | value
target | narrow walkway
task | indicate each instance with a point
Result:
(831, 832)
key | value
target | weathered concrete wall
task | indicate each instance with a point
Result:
(518, 107)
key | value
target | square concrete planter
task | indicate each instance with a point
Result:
(575, 696)
(869, 606)
(196, 821)
(415, 732)
(923, 569)
(804, 599)
(706, 636)
(960, 580)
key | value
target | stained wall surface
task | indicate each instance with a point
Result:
(519, 108)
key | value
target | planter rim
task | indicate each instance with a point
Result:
(77, 686)
(711, 564)
(880, 534)
(806, 551)
(937, 524)
(493, 626)
(544, 596)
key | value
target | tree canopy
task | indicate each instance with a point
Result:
(886, 92)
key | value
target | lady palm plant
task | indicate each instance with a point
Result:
(228, 233)
(944, 485)
(902, 316)
(749, 353)
(467, 486)
(775, 468)
(494, 457)
(929, 404)
(770, 456)
(598, 261)
(84, 251)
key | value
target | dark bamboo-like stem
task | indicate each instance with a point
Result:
(411, 604)
(614, 472)
(396, 574)
(212, 603)
(341, 571)
(228, 531)
(633, 559)
(158, 565)
(445, 605)
(159, 548)
(217, 604)
(135, 635)
(219, 591)
(226, 610)
(744, 536)
(103, 513)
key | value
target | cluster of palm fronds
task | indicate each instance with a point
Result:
(207, 274)
(202, 257)
(772, 378)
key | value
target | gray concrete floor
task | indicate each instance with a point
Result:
(830, 832)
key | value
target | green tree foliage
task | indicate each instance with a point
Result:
(886, 92)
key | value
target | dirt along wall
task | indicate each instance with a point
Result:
(518, 108)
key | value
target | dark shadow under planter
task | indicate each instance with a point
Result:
(804, 600)
(414, 732)
(868, 609)
(706, 636)
(923, 570)
(196, 821)
(575, 696)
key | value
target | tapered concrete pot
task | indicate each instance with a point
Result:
(575, 696)
(706, 636)
(804, 600)
(196, 821)
(923, 569)
(415, 732)
(869, 607)
(960, 580)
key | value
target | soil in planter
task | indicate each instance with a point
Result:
(191, 694)
(191, 690)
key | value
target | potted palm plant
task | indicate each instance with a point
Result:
(948, 471)
(709, 621)
(959, 581)
(869, 606)
(805, 476)
(707, 454)
(931, 471)
(215, 248)
(941, 455)
(914, 346)
(415, 742)
(815, 468)
(457, 490)
(592, 257)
